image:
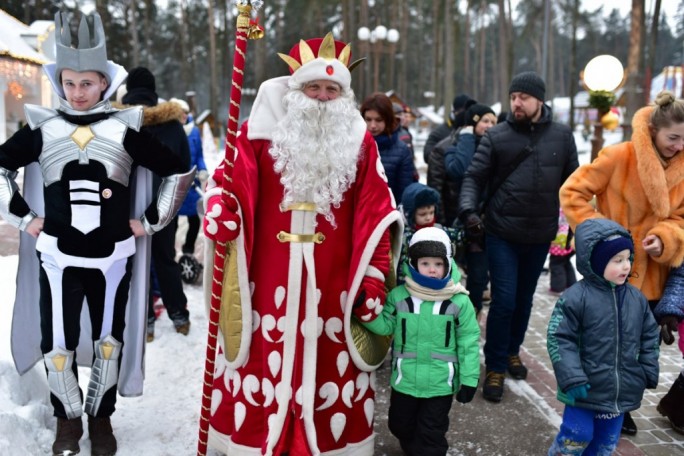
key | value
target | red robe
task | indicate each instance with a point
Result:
(286, 391)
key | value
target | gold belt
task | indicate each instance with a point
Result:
(309, 207)
(318, 238)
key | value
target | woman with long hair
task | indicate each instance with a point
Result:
(395, 155)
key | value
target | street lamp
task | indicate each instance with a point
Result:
(377, 39)
(602, 76)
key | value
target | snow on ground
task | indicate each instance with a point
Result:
(164, 421)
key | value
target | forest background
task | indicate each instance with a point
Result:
(445, 47)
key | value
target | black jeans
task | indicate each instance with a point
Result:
(168, 274)
(420, 424)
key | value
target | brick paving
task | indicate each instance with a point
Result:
(655, 436)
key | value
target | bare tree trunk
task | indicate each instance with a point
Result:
(550, 76)
(404, 48)
(633, 89)
(652, 51)
(365, 50)
(185, 52)
(133, 30)
(448, 79)
(505, 46)
(436, 20)
(149, 38)
(481, 51)
(213, 88)
(573, 62)
(467, 85)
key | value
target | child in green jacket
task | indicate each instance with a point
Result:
(435, 351)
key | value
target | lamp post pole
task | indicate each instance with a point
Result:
(602, 76)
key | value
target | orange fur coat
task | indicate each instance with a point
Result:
(634, 188)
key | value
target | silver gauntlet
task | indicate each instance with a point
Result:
(171, 195)
(8, 187)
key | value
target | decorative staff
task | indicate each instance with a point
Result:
(245, 29)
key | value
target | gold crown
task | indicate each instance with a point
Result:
(326, 52)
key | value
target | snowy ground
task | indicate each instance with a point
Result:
(173, 379)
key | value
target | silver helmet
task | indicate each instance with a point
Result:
(91, 53)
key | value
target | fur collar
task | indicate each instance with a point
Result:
(159, 114)
(655, 179)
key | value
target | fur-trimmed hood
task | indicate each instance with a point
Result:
(159, 114)
(656, 179)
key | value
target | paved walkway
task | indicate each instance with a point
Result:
(527, 419)
(655, 436)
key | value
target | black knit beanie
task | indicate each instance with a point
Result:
(607, 249)
(476, 112)
(460, 102)
(141, 88)
(530, 83)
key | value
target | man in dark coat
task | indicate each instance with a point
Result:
(162, 120)
(454, 122)
(523, 161)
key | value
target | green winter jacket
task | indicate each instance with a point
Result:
(435, 348)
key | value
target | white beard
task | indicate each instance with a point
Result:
(315, 152)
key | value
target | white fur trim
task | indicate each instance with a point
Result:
(268, 108)
(224, 444)
(372, 271)
(318, 69)
(291, 326)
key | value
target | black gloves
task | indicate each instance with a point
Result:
(474, 231)
(360, 299)
(668, 326)
(465, 394)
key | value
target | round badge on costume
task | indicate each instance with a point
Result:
(106, 193)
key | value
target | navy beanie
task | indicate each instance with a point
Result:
(460, 102)
(415, 196)
(607, 249)
(530, 83)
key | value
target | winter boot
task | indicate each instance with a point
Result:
(182, 324)
(69, 432)
(629, 427)
(516, 368)
(183, 328)
(670, 406)
(102, 439)
(492, 390)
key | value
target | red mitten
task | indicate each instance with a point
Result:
(370, 300)
(221, 222)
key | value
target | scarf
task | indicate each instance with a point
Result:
(429, 294)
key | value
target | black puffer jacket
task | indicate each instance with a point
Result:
(524, 208)
(438, 179)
